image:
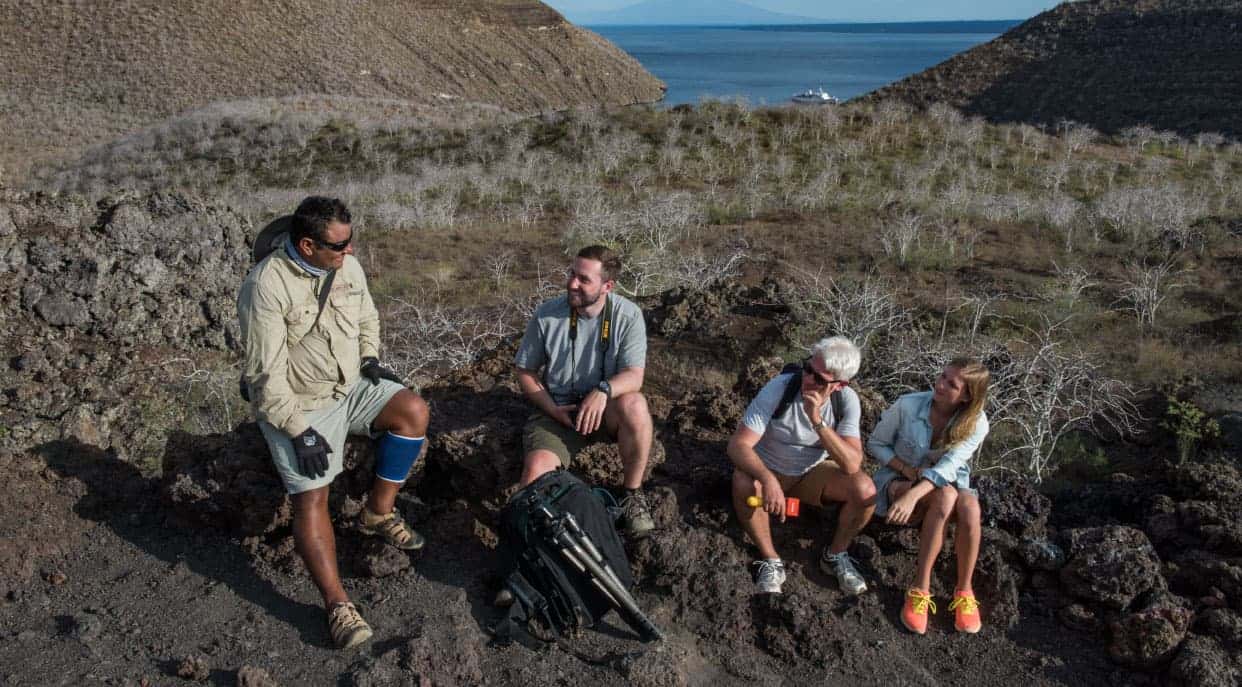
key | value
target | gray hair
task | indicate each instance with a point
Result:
(839, 355)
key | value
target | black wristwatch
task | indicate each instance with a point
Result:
(605, 387)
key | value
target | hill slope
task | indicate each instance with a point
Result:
(79, 73)
(1112, 64)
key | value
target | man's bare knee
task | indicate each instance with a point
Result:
(861, 489)
(537, 463)
(633, 408)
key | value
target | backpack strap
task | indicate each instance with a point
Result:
(323, 295)
(793, 388)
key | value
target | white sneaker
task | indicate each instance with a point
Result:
(841, 565)
(770, 576)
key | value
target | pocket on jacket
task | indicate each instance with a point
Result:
(908, 451)
(347, 305)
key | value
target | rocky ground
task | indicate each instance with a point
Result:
(113, 573)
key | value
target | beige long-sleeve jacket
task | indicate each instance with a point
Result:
(289, 367)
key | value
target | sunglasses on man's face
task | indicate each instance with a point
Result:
(824, 381)
(337, 247)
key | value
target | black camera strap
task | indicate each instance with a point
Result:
(605, 334)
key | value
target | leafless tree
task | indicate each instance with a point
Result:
(900, 235)
(856, 308)
(1045, 390)
(1146, 287)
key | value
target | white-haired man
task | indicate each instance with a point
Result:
(800, 438)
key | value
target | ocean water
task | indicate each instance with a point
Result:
(768, 64)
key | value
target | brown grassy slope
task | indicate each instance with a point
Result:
(80, 73)
(1170, 64)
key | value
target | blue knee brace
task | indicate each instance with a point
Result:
(395, 455)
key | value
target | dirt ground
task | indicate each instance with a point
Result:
(114, 578)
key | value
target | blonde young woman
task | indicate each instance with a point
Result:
(925, 441)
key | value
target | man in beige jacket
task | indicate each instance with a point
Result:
(311, 337)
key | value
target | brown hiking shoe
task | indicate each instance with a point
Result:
(391, 528)
(347, 627)
(636, 517)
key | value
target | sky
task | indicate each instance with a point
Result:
(875, 10)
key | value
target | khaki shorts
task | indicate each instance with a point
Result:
(809, 487)
(351, 415)
(544, 433)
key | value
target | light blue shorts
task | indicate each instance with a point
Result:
(883, 477)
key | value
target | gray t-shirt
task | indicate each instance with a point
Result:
(571, 373)
(788, 445)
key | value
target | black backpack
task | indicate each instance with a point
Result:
(545, 585)
(793, 388)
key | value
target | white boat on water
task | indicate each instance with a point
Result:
(816, 97)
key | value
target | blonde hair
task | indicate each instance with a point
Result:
(977, 378)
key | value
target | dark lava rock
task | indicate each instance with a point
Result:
(711, 409)
(665, 665)
(227, 481)
(1200, 574)
(250, 676)
(1009, 502)
(86, 627)
(1078, 617)
(194, 668)
(600, 464)
(1041, 554)
(790, 627)
(448, 654)
(1221, 623)
(1148, 639)
(380, 559)
(997, 587)
(1110, 565)
(1202, 663)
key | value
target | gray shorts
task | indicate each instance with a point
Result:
(351, 415)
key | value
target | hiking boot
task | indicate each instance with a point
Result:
(770, 576)
(841, 565)
(347, 627)
(965, 609)
(391, 528)
(914, 612)
(635, 515)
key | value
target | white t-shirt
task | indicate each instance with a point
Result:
(788, 445)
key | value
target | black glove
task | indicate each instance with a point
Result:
(372, 370)
(312, 451)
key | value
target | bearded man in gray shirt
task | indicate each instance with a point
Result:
(810, 450)
(591, 345)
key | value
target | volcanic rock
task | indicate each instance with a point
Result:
(1110, 565)
(1010, 502)
(449, 655)
(1148, 639)
(1202, 663)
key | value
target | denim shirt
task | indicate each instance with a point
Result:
(904, 431)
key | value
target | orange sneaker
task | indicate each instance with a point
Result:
(914, 612)
(965, 612)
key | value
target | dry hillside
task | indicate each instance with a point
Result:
(1170, 64)
(81, 73)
